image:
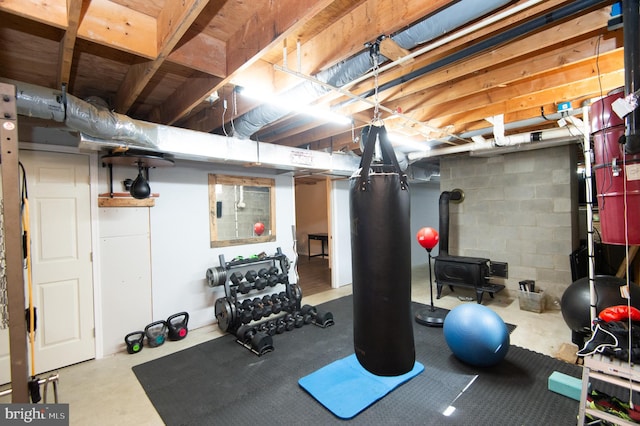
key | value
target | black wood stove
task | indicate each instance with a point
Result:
(463, 271)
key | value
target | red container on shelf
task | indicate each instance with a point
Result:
(612, 167)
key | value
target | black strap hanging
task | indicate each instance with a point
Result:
(371, 135)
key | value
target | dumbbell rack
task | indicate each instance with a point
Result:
(255, 310)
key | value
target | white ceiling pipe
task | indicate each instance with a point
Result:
(533, 140)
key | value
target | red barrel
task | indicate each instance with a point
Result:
(611, 168)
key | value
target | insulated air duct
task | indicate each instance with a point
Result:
(348, 70)
(103, 129)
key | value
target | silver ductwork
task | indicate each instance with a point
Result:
(348, 70)
(102, 129)
(51, 104)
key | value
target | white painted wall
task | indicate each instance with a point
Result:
(180, 250)
(424, 213)
(341, 234)
(125, 275)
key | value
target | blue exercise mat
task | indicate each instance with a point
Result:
(345, 388)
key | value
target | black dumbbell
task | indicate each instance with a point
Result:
(244, 313)
(284, 300)
(260, 341)
(273, 270)
(244, 287)
(283, 278)
(263, 272)
(273, 280)
(280, 326)
(289, 322)
(235, 278)
(268, 327)
(251, 276)
(245, 333)
(319, 318)
(261, 283)
(276, 304)
(270, 306)
(258, 309)
(298, 320)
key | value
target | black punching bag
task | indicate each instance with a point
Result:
(381, 261)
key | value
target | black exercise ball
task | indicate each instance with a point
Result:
(575, 303)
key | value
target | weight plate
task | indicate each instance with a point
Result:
(225, 314)
(296, 292)
(216, 276)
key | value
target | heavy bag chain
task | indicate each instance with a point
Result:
(4, 305)
(374, 51)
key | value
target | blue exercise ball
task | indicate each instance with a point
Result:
(476, 335)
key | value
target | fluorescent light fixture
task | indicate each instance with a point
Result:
(294, 105)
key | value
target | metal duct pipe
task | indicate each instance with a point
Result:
(630, 23)
(37, 101)
(443, 211)
(100, 128)
(346, 71)
(51, 104)
(508, 35)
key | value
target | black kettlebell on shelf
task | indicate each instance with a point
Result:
(156, 333)
(177, 324)
(134, 341)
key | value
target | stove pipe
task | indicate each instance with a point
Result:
(445, 197)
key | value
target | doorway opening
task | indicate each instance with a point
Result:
(313, 233)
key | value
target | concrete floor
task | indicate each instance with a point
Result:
(106, 392)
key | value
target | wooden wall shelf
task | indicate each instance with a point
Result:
(123, 199)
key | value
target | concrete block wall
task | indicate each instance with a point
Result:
(520, 208)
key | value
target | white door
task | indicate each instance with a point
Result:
(59, 205)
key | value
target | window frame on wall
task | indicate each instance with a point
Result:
(218, 206)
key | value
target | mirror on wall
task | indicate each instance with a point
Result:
(241, 210)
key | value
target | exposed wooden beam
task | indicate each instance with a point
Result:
(582, 52)
(572, 75)
(110, 24)
(173, 22)
(594, 86)
(547, 39)
(201, 52)
(52, 13)
(263, 31)
(168, 112)
(68, 42)
(317, 51)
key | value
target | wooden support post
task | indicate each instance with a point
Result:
(13, 243)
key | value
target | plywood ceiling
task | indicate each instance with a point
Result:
(158, 60)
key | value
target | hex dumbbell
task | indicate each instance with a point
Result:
(311, 314)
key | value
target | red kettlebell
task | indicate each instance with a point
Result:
(177, 324)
